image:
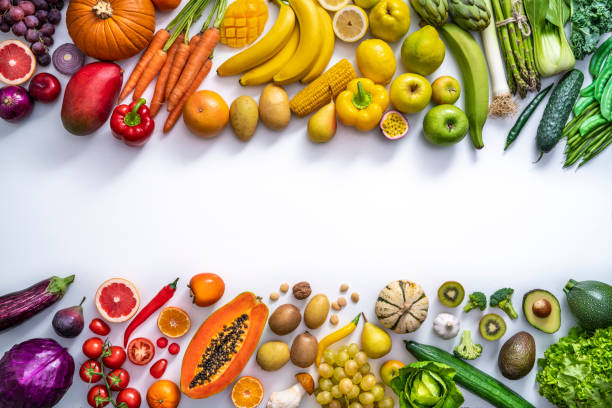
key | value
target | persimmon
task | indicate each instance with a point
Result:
(206, 288)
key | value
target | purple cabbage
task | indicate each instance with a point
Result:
(35, 373)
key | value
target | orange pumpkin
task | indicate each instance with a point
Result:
(111, 30)
(163, 394)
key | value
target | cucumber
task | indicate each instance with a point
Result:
(557, 111)
(473, 379)
(590, 302)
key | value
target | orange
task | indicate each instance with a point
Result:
(206, 288)
(173, 322)
(206, 113)
(247, 392)
(163, 394)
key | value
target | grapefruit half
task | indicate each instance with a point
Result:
(17, 62)
(117, 300)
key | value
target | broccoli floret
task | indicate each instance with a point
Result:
(467, 349)
(501, 299)
(476, 300)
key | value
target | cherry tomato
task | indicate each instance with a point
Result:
(98, 396)
(162, 342)
(118, 379)
(174, 348)
(116, 357)
(158, 369)
(129, 396)
(99, 327)
(140, 351)
(93, 347)
(88, 371)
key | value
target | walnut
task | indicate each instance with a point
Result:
(301, 290)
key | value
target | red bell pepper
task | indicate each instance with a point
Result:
(132, 123)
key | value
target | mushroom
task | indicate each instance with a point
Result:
(446, 325)
(292, 396)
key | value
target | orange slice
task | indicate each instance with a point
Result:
(173, 322)
(247, 392)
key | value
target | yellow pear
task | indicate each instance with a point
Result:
(423, 51)
(322, 125)
(375, 341)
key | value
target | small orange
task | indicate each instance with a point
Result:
(247, 392)
(206, 113)
(163, 394)
(206, 288)
(173, 322)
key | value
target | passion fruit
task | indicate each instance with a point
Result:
(394, 125)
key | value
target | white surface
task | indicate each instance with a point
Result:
(358, 209)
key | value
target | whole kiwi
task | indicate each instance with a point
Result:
(285, 319)
(304, 350)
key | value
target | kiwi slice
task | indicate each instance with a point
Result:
(492, 327)
(451, 294)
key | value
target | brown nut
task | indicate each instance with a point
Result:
(284, 287)
(344, 287)
(342, 301)
(274, 296)
(301, 290)
(335, 306)
(355, 297)
(334, 319)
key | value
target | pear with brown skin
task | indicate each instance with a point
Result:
(322, 125)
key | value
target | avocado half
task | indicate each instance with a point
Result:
(548, 324)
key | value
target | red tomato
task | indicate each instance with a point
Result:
(118, 379)
(158, 369)
(116, 357)
(129, 396)
(93, 347)
(88, 371)
(99, 327)
(162, 342)
(174, 348)
(140, 351)
(98, 396)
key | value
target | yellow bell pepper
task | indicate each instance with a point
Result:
(362, 104)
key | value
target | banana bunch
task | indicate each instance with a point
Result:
(298, 47)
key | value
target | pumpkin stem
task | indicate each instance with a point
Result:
(102, 9)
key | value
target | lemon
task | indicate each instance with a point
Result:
(365, 4)
(376, 61)
(350, 23)
(334, 5)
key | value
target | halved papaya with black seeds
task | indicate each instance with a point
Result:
(222, 346)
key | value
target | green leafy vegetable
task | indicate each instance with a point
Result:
(427, 384)
(590, 20)
(552, 52)
(575, 372)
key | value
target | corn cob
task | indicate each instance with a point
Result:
(316, 94)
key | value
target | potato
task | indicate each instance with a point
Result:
(273, 355)
(244, 117)
(274, 107)
(304, 350)
(316, 311)
(285, 319)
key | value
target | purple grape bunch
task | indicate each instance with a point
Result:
(35, 20)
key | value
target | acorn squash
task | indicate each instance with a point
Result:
(222, 346)
(402, 306)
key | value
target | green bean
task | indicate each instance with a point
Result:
(591, 123)
(601, 81)
(599, 57)
(588, 90)
(582, 103)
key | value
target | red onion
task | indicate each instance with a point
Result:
(15, 103)
(68, 59)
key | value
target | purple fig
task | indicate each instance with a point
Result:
(69, 322)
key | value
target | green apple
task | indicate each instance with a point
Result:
(446, 89)
(410, 93)
(366, 4)
(445, 125)
(389, 370)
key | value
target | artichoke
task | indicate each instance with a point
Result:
(470, 14)
(434, 12)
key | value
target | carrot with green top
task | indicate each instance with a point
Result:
(179, 63)
(160, 86)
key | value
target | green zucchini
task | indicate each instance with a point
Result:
(557, 111)
(473, 379)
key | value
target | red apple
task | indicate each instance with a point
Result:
(45, 87)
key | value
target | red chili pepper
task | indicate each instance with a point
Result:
(158, 301)
(132, 123)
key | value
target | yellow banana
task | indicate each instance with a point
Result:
(327, 48)
(263, 49)
(263, 73)
(309, 46)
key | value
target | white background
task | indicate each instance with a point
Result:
(359, 209)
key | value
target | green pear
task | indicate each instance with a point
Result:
(322, 125)
(375, 342)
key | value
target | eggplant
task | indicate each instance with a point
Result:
(17, 307)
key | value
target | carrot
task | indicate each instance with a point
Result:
(179, 63)
(178, 109)
(150, 72)
(160, 87)
(158, 41)
(203, 49)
